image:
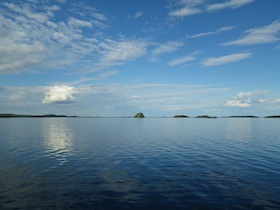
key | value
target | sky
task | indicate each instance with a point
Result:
(161, 57)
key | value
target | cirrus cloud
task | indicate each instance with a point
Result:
(189, 7)
(215, 61)
(183, 59)
(220, 30)
(232, 4)
(193, 7)
(262, 35)
(118, 52)
(74, 22)
(168, 47)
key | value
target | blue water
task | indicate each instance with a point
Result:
(150, 163)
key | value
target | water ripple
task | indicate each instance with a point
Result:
(140, 164)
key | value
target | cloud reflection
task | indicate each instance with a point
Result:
(58, 138)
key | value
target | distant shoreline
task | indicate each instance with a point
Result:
(30, 116)
(176, 116)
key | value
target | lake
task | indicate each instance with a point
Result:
(150, 163)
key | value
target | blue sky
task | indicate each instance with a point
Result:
(162, 57)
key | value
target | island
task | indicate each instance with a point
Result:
(273, 116)
(242, 116)
(206, 116)
(180, 116)
(139, 115)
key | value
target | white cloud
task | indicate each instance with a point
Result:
(189, 7)
(118, 52)
(59, 95)
(26, 11)
(232, 4)
(52, 8)
(266, 34)
(17, 57)
(193, 7)
(246, 99)
(27, 44)
(220, 30)
(79, 23)
(226, 59)
(236, 103)
(113, 99)
(138, 14)
(83, 10)
(182, 60)
(167, 47)
(186, 11)
(32, 40)
(226, 28)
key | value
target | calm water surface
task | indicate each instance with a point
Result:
(151, 163)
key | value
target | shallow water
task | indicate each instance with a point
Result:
(150, 163)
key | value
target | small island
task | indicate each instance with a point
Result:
(180, 116)
(206, 116)
(273, 116)
(139, 115)
(242, 116)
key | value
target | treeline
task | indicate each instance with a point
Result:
(24, 115)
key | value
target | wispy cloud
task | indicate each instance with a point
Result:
(138, 14)
(275, 102)
(152, 96)
(232, 4)
(165, 48)
(225, 59)
(237, 103)
(118, 52)
(246, 99)
(266, 34)
(183, 60)
(193, 7)
(74, 22)
(220, 30)
(185, 11)
(86, 12)
(27, 98)
(187, 8)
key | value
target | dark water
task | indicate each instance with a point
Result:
(123, 163)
